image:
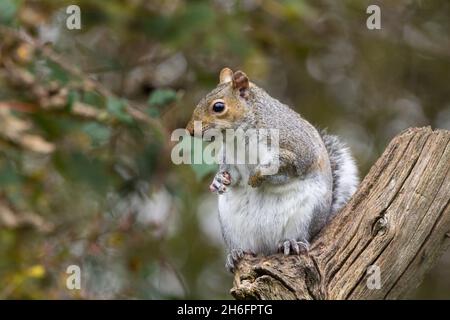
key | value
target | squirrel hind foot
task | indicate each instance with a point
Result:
(233, 259)
(292, 246)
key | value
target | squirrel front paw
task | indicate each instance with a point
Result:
(293, 246)
(220, 182)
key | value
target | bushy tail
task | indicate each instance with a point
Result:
(344, 170)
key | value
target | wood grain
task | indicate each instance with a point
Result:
(398, 220)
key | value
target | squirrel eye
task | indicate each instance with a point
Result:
(218, 106)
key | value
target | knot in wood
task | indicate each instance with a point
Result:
(380, 226)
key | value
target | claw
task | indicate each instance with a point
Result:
(289, 247)
(225, 178)
(229, 264)
(220, 182)
(233, 259)
(237, 254)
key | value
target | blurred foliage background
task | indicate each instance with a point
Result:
(86, 116)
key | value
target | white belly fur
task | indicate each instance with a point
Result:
(257, 219)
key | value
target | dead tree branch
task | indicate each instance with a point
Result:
(398, 221)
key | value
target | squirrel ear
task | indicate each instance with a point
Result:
(226, 75)
(240, 82)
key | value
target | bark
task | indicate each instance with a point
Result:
(398, 221)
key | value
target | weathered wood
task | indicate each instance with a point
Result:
(398, 220)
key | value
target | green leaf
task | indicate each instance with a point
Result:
(8, 9)
(147, 160)
(57, 73)
(202, 170)
(153, 112)
(117, 108)
(93, 98)
(98, 133)
(78, 168)
(11, 182)
(162, 97)
(156, 25)
(195, 19)
(73, 97)
(9, 175)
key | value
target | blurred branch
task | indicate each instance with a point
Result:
(398, 221)
(14, 130)
(88, 83)
(12, 219)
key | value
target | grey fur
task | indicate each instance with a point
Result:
(319, 166)
(301, 147)
(340, 159)
(301, 138)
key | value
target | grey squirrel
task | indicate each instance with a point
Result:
(265, 214)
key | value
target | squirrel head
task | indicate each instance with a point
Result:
(225, 106)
